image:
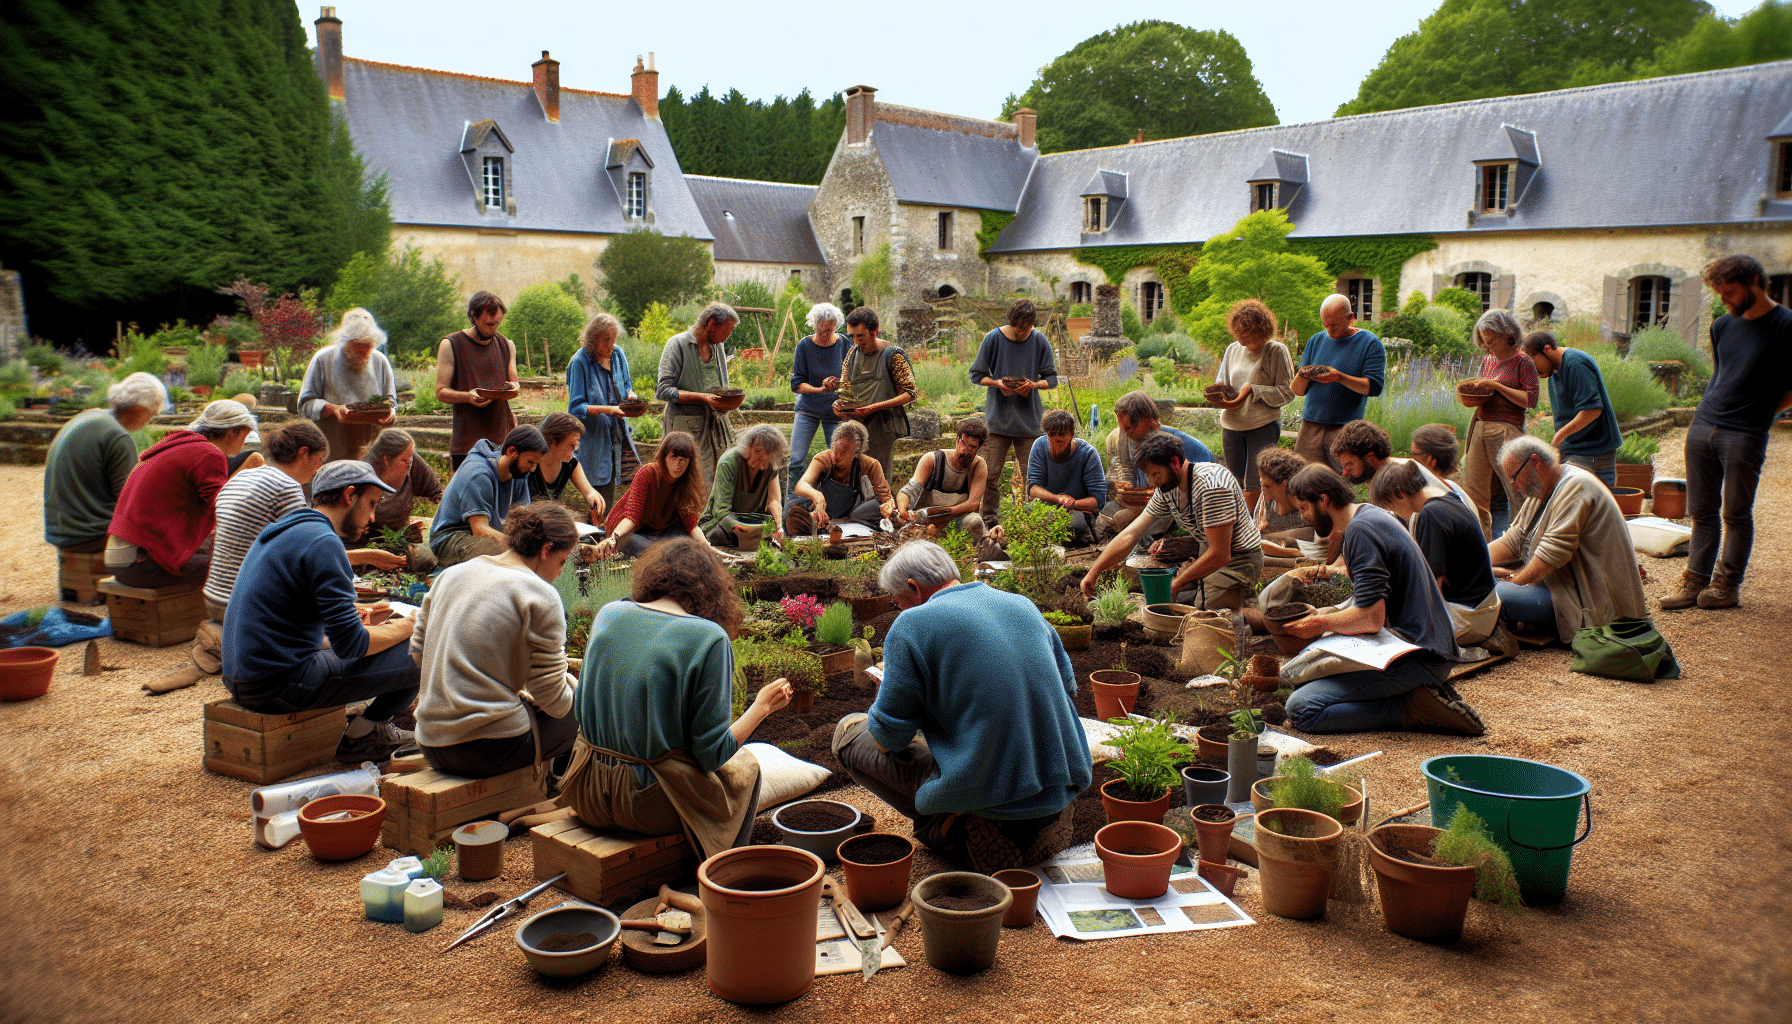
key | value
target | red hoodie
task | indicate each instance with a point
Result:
(168, 504)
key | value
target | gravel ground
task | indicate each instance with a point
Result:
(133, 891)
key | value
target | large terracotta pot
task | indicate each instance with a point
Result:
(1115, 692)
(1419, 901)
(1640, 475)
(25, 672)
(1297, 855)
(1132, 810)
(345, 839)
(1137, 876)
(1214, 838)
(960, 941)
(1353, 807)
(760, 904)
(876, 884)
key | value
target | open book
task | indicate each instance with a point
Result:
(1374, 650)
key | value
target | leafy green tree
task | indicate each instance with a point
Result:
(1461, 300)
(731, 136)
(1253, 261)
(1471, 49)
(645, 266)
(415, 301)
(1757, 37)
(1169, 79)
(875, 276)
(543, 312)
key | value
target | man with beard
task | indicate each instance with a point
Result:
(1066, 470)
(346, 372)
(1751, 359)
(471, 361)
(954, 479)
(1391, 587)
(1577, 564)
(1361, 448)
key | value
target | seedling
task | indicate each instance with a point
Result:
(1244, 724)
(436, 864)
(1149, 755)
(1300, 785)
(1469, 842)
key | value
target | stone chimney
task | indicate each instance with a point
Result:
(861, 108)
(329, 51)
(1026, 119)
(1141, 137)
(644, 85)
(547, 85)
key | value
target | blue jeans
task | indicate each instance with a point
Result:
(1499, 509)
(1527, 608)
(1605, 467)
(802, 435)
(390, 677)
(1366, 701)
(1723, 468)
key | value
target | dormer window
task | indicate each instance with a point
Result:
(1779, 158)
(1783, 179)
(1094, 215)
(1263, 196)
(637, 195)
(1502, 176)
(630, 169)
(493, 183)
(484, 153)
(1104, 198)
(1278, 181)
(1495, 180)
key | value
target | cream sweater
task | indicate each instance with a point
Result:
(1581, 535)
(486, 633)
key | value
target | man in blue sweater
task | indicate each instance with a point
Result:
(1066, 470)
(1341, 369)
(470, 521)
(1586, 426)
(294, 592)
(1000, 758)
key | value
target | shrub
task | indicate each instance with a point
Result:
(1130, 324)
(1654, 344)
(1469, 842)
(205, 365)
(1581, 330)
(1415, 303)
(415, 301)
(1462, 301)
(1165, 322)
(138, 354)
(655, 327)
(43, 357)
(1252, 259)
(1299, 784)
(543, 312)
(1450, 328)
(1632, 388)
(835, 625)
(1149, 752)
(1421, 392)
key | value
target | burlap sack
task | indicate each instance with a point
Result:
(1201, 637)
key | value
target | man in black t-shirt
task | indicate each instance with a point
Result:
(1449, 536)
(1751, 358)
(1391, 586)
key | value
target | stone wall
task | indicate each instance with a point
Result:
(773, 275)
(925, 267)
(506, 262)
(13, 335)
(856, 185)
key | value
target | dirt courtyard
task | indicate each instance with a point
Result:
(133, 892)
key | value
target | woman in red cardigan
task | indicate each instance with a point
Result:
(161, 530)
(664, 500)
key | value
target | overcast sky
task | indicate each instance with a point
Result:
(957, 56)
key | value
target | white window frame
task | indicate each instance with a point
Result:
(492, 182)
(637, 195)
(1495, 188)
(1651, 299)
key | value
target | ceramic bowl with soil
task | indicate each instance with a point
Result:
(367, 412)
(496, 394)
(342, 827)
(1013, 382)
(1475, 391)
(568, 941)
(818, 826)
(1219, 392)
(1275, 617)
(633, 406)
(1314, 372)
(730, 398)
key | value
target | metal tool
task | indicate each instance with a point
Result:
(508, 908)
(862, 932)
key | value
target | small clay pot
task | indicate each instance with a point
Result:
(1630, 500)
(568, 963)
(25, 672)
(1262, 684)
(479, 850)
(1221, 876)
(731, 399)
(962, 941)
(1212, 741)
(1013, 382)
(1213, 838)
(1132, 810)
(1024, 885)
(1133, 497)
(346, 839)
(632, 407)
(1264, 665)
(1474, 392)
(1352, 812)
(1297, 854)
(1203, 785)
(801, 702)
(1133, 876)
(1419, 901)
(1283, 614)
(1115, 692)
(1219, 392)
(875, 886)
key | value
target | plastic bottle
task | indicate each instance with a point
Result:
(422, 905)
(382, 893)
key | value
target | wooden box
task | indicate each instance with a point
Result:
(264, 749)
(424, 808)
(161, 617)
(608, 867)
(79, 574)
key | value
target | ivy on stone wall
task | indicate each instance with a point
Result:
(1173, 262)
(1377, 255)
(993, 222)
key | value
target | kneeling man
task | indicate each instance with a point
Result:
(1066, 470)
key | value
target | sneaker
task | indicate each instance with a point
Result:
(377, 746)
(1720, 593)
(1439, 708)
(1686, 596)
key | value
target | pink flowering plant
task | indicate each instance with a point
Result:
(802, 610)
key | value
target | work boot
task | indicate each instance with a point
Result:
(1688, 594)
(1721, 593)
(377, 745)
(1439, 708)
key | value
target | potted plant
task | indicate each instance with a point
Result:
(1636, 462)
(833, 635)
(1301, 785)
(1112, 603)
(1147, 768)
(1426, 875)
(1297, 854)
(1115, 689)
(1076, 634)
(1241, 754)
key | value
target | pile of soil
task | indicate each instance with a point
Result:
(1214, 814)
(1314, 372)
(981, 901)
(559, 942)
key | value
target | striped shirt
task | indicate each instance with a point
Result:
(248, 503)
(1212, 498)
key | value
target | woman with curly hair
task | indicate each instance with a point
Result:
(1499, 419)
(1262, 372)
(656, 753)
(665, 500)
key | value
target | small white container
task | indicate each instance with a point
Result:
(383, 894)
(422, 905)
(278, 830)
(410, 867)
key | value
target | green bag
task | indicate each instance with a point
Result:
(1629, 649)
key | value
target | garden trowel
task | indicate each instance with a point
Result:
(862, 932)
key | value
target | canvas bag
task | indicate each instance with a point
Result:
(1202, 636)
(1629, 649)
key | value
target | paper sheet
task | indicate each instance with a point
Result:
(1076, 905)
(848, 529)
(587, 530)
(401, 610)
(836, 953)
(1376, 650)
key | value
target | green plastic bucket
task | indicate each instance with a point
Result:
(1156, 581)
(1532, 808)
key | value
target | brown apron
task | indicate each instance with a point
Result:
(712, 809)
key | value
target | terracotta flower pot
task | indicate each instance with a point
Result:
(1137, 876)
(961, 941)
(1630, 500)
(1264, 665)
(1211, 741)
(1297, 855)
(876, 884)
(479, 850)
(1419, 901)
(868, 608)
(1204, 785)
(1262, 684)
(1024, 885)
(1115, 692)
(1221, 876)
(1669, 498)
(1640, 475)
(1353, 807)
(345, 839)
(25, 672)
(1214, 838)
(1132, 810)
(760, 905)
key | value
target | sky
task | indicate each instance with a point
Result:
(960, 57)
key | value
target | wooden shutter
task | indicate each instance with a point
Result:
(1614, 314)
(1687, 303)
(1503, 286)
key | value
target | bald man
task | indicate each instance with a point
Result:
(1356, 368)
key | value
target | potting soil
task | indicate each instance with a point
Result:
(560, 942)
(1284, 612)
(981, 901)
(878, 850)
(1135, 851)
(816, 818)
(1215, 814)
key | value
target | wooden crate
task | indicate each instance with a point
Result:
(608, 867)
(264, 749)
(161, 617)
(78, 574)
(424, 808)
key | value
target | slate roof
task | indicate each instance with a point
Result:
(1683, 150)
(757, 221)
(942, 160)
(411, 122)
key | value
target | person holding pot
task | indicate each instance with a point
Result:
(1262, 372)
(1015, 353)
(663, 502)
(1447, 533)
(1586, 425)
(748, 484)
(597, 385)
(842, 483)
(1275, 467)
(479, 359)
(1350, 366)
(656, 754)
(393, 456)
(491, 630)
(559, 466)
(349, 370)
(814, 378)
(693, 365)
(954, 479)
(881, 382)
(1500, 418)
(162, 526)
(1066, 470)
(470, 521)
(988, 765)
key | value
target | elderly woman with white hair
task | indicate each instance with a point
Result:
(345, 373)
(693, 366)
(597, 383)
(814, 377)
(1499, 419)
(749, 482)
(89, 461)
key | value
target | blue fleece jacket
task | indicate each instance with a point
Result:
(814, 364)
(1079, 476)
(1001, 726)
(477, 491)
(1359, 355)
(294, 589)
